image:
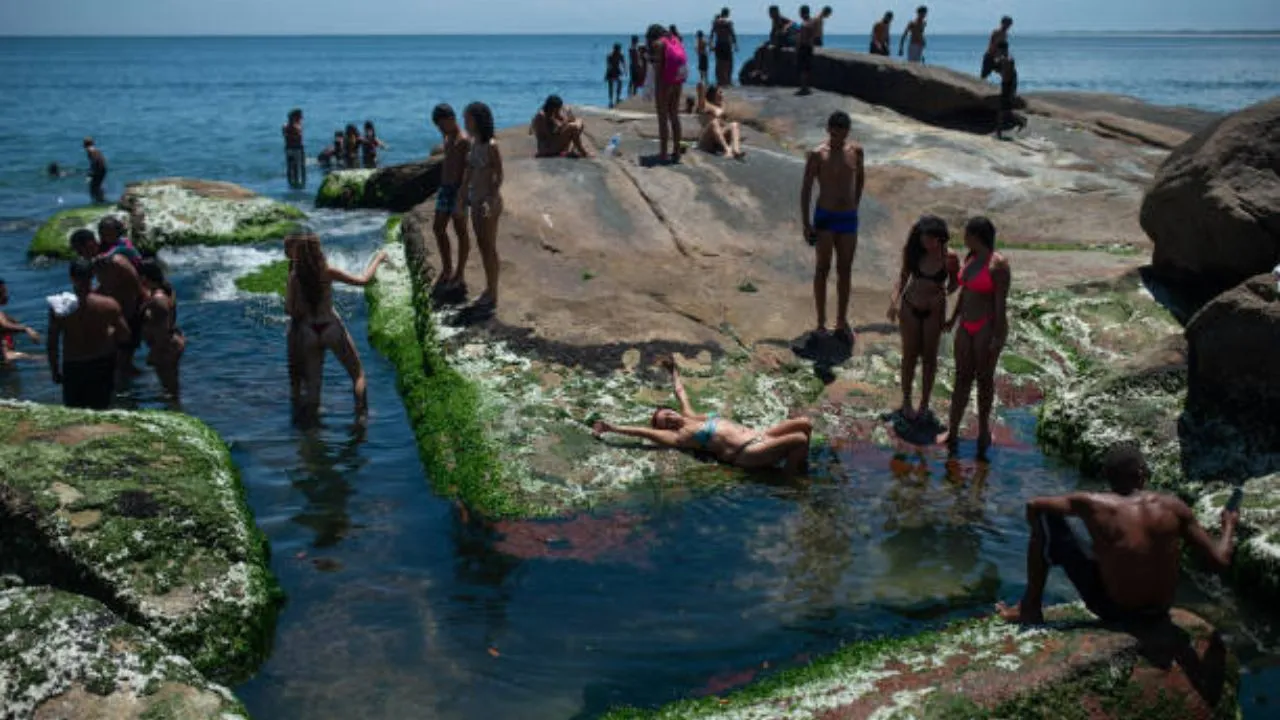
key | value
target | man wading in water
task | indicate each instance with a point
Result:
(97, 171)
(837, 167)
(90, 326)
(118, 279)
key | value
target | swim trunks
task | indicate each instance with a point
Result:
(804, 58)
(447, 199)
(724, 52)
(703, 62)
(1062, 548)
(915, 52)
(89, 383)
(844, 222)
(988, 65)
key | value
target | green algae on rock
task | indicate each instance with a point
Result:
(66, 655)
(270, 279)
(52, 239)
(343, 189)
(990, 669)
(144, 512)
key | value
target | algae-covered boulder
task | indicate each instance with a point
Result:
(270, 279)
(397, 188)
(67, 656)
(145, 513)
(343, 189)
(52, 239)
(988, 669)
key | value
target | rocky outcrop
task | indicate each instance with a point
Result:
(986, 668)
(396, 188)
(67, 656)
(176, 212)
(143, 512)
(926, 92)
(1213, 211)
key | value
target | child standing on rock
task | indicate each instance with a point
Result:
(482, 181)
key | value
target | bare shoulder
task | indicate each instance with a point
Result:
(999, 262)
(104, 303)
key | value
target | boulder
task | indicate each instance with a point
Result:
(51, 240)
(925, 92)
(1072, 667)
(396, 188)
(143, 512)
(1213, 210)
(67, 656)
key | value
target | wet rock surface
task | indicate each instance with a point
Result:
(396, 188)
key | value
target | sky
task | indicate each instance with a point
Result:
(411, 17)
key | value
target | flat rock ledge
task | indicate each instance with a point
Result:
(143, 512)
(67, 656)
(1071, 668)
(175, 212)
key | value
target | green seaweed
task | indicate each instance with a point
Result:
(51, 239)
(345, 189)
(270, 279)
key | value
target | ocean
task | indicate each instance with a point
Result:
(397, 607)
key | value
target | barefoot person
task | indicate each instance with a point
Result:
(1131, 574)
(837, 166)
(919, 306)
(613, 74)
(786, 443)
(113, 259)
(804, 47)
(295, 157)
(718, 134)
(97, 171)
(880, 36)
(984, 327)
(998, 36)
(482, 181)
(8, 329)
(160, 327)
(704, 61)
(1008, 70)
(556, 130)
(449, 209)
(86, 327)
(915, 30)
(309, 301)
(636, 70)
(725, 42)
(671, 66)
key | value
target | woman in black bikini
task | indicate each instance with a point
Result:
(160, 326)
(984, 327)
(919, 306)
(309, 303)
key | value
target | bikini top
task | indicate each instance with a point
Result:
(707, 431)
(939, 277)
(981, 282)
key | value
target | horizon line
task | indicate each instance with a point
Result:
(1030, 33)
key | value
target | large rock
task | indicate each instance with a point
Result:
(52, 239)
(67, 656)
(145, 513)
(926, 92)
(396, 188)
(985, 668)
(1214, 208)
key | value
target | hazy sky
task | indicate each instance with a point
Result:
(357, 17)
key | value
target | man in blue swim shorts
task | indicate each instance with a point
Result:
(449, 204)
(837, 167)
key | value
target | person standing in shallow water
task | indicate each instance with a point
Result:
(982, 312)
(449, 205)
(482, 181)
(114, 262)
(295, 156)
(919, 306)
(837, 166)
(915, 30)
(160, 327)
(85, 328)
(880, 36)
(613, 74)
(1130, 574)
(97, 171)
(369, 146)
(351, 143)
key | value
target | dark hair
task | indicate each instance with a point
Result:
(368, 125)
(826, 10)
(1125, 468)
(483, 118)
(981, 228)
(83, 237)
(698, 34)
(888, 15)
(923, 9)
(111, 222)
(1006, 20)
(81, 269)
(295, 113)
(840, 119)
(653, 419)
(53, 168)
(150, 270)
(654, 32)
(635, 38)
(804, 11)
(724, 12)
(672, 29)
(442, 112)
(2, 281)
(617, 48)
(712, 91)
(552, 104)
(88, 141)
(930, 225)
(773, 10)
(337, 134)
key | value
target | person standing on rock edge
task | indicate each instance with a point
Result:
(837, 166)
(804, 48)
(295, 157)
(1008, 70)
(482, 180)
(89, 327)
(704, 63)
(636, 57)
(982, 311)
(613, 74)
(998, 36)
(930, 272)
(97, 171)
(10, 327)
(725, 42)
(1131, 573)
(880, 36)
(820, 24)
(457, 147)
(915, 29)
(671, 66)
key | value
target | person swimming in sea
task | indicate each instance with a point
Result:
(9, 328)
(85, 330)
(450, 205)
(918, 305)
(785, 444)
(369, 145)
(165, 340)
(613, 74)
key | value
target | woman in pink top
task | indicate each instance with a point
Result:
(672, 67)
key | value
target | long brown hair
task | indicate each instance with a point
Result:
(310, 266)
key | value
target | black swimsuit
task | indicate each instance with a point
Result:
(939, 277)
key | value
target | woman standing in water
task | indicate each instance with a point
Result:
(919, 306)
(984, 327)
(482, 181)
(309, 303)
(671, 68)
(370, 145)
(351, 148)
(160, 326)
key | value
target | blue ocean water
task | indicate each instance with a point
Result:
(398, 605)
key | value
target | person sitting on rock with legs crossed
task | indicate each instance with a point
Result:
(556, 131)
(837, 166)
(786, 443)
(719, 135)
(1131, 575)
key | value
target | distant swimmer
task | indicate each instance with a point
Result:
(804, 47)
(918, 305)
(309, 302)
(837, 166)
(370, 145)
(1008, 70)
(880, 36)
(636, 57)
(719, 135)
(8, 329)
(556, 131)
(97, 171)
(160, 327)
(331, 157)
(820, 26)
(613, 63)
(294, 154)
(785, 445)
(999, 35)
(56, 172)
(482, 182)
(915, 30)
(449, 204)
(85, 329)
(724, 40)
(1128, 572)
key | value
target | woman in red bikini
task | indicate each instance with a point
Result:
(984, 328)
(930, 272)
(309, 303)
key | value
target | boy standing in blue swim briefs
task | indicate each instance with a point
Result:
(449, 204)
(837, 166)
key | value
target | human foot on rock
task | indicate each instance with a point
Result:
(1014, 614)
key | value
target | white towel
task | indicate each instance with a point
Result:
(63, 304)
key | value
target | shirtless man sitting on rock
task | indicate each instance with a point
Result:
(1132, 573)
(90, 327)
(557, 131)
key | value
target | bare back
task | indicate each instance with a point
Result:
(839, 171)
(916, 30)
(118, 278)
(880, 33)
(93, 330)
(998, 36)
(1137, 543)
(299, 309)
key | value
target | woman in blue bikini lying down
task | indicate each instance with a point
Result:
(729, 442)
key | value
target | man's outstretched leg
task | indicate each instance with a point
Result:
(1030, 610)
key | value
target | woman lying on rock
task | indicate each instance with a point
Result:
(718, 134)
(731, 443)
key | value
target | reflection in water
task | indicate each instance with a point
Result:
(483, 570)
(321, 475)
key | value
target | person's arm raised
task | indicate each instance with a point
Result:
(665, 438)
(686, 407)
(342, 276)
(1216, 552)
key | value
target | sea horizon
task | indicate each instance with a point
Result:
(752, 32)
